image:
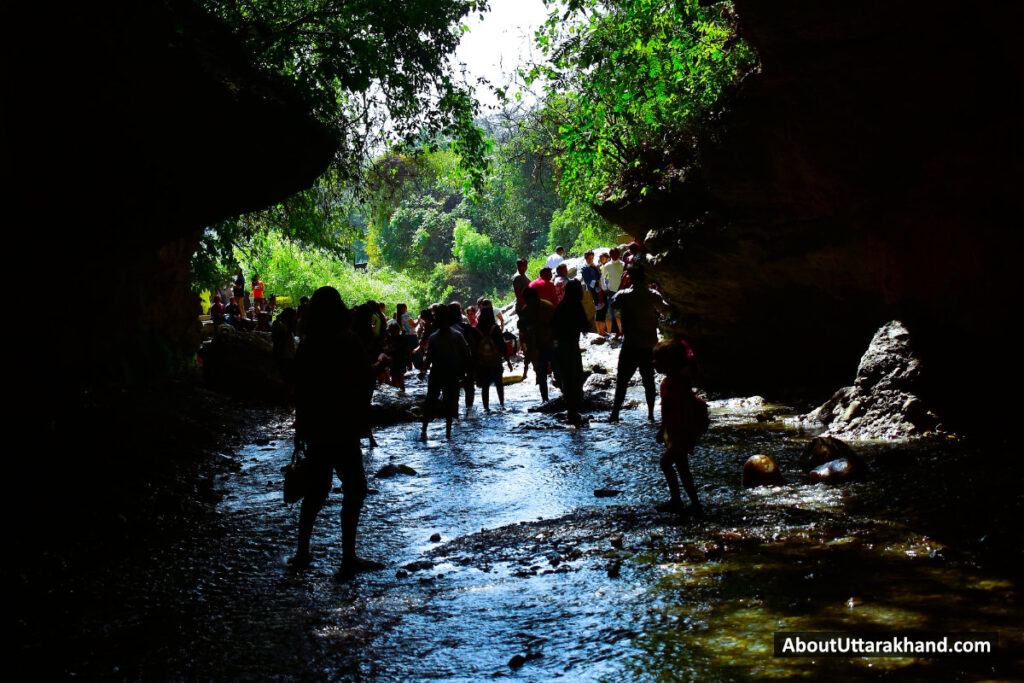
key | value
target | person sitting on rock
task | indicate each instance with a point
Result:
(218, 313)
(448, 360)
(328, 421)
(679, 421)
(639, 306)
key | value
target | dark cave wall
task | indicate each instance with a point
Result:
(129, 127)
(868, 172)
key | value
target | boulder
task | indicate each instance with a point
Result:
(885, 399)
(821, 450)
(839, 470)
(760, 470)
(242, 363)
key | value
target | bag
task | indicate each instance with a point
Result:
(296, 475)
(486, 351)
(698, 417)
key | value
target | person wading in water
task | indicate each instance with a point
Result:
(639, 305)
(331, 412)
(448, 359)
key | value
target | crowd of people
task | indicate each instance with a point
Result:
(243, 311)
(344, 353)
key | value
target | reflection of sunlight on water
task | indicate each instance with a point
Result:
(695, 601)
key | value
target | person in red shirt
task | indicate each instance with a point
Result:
(679, 429)
(257, 293)
(545, 288)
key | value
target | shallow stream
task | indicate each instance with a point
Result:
(536, 578)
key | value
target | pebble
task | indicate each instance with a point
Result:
(434, 538)
(614, 568)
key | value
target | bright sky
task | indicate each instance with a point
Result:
(495, 47)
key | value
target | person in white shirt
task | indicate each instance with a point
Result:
(556, 258)
(611, 279)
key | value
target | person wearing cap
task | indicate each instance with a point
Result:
(555, 258)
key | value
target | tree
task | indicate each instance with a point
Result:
(628, 80)
(377, 71)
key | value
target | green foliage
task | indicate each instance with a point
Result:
(292, 271)
(417, 235)
(485, 264)
(376, 71)
(578, 227)
(625, 82)
(323, 217)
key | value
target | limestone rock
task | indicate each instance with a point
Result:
(823, 449)
(884, 401)
(838, 471)
(760, 470)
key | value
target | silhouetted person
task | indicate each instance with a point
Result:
(520, 282)
(282, 334)
(448, 360)
(567, 324)
(679, 430)
(238, 290)
(491, 352)
(300, 325)
(218, 312)
(331, 409)
(535, 330)
(639, 307)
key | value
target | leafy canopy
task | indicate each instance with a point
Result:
(625, 80)
(377, 71)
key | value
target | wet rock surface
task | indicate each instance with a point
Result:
(884, 401)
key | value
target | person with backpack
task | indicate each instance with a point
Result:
(491, 352)
(684, 418)
(330, 411)
(535, 332)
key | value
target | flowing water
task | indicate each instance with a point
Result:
(536, 578)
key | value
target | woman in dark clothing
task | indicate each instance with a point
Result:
(331, 411)
(568, 322)
(491, 352)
